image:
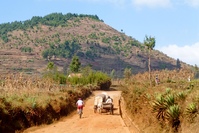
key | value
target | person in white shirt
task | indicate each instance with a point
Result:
(80, 104)
(109, 100)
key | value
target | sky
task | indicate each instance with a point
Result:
(173, 23)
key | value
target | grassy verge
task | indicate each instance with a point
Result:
(26, 102)
(170, 106)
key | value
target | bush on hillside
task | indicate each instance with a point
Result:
(102, 80)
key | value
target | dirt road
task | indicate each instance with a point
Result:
(90, 122)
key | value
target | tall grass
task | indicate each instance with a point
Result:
(169, 102)
(27, 101)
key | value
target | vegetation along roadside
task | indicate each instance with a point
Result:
(27, 101)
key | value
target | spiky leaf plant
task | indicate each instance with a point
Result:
(172, 115)
(161, 104)
(168, 91)
(173, 112)
(159, 107)
(181, 95)
(169, 100)
(191, 111)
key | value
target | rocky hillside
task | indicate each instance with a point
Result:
(29, 45)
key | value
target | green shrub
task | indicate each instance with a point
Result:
(191, 111)
(159, 107)
(181, 95)
(96, 78)
(169, 100)
(172, 116)
(106, 40)
(55, 76)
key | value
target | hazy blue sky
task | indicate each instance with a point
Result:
(174, 23)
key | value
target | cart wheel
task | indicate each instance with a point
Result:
(112, 112)
(112, 109)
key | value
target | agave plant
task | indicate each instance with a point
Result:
(191, 111)
(172, 115)
(159, 107)
(169, 100)
(173, 112)
(168, 91)
(181, 95)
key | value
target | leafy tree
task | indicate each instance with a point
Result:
(74, 46)
(127, 73)
(75, 64)
(53, 74)
(93, 36)
(4, 38)
(149, 42)
(50, 66)
(65, 50)
(26, 49)
(53, 19)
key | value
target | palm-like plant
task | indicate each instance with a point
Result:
(191, 111)
(168, 91)
(159, 107)
(181, 95)
(149, 42)
(172, 115)
(169, 100)
(167, 109)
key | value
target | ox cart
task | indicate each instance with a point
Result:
(107, 107)
(101, 106)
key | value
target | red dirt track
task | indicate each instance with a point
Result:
(90, 122)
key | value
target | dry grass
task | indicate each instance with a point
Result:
(140, 96)
(26, 101)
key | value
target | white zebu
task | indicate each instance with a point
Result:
(98, 101)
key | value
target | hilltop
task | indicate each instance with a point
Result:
(29, 45)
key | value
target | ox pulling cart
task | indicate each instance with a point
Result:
(103, 103)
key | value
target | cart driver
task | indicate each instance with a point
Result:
(109, 100)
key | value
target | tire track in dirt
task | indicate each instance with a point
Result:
(90, 122)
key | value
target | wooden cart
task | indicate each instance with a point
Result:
(107, 107)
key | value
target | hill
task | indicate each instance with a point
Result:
(29, 45)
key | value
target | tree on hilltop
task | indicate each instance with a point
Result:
(149, 42)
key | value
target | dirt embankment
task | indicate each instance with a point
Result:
(92, 122)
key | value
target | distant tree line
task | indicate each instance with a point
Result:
(26, 49)
(68, 49)
(54, 19)
(65, 50)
